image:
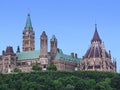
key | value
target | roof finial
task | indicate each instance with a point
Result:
(28, 10)
(95, 27)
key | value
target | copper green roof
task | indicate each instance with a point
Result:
(29, 55)
(53, 38)
(28, 23)
(65, 57)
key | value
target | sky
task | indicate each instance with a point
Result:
(71, 21)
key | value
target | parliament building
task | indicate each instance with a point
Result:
(96, 57)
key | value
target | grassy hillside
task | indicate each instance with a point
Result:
(61, 80)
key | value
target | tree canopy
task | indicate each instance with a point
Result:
(17, 70)
(36, 68)
(60, 80)
(52, 67)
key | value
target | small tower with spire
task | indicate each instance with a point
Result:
(28, 43)
(53, 46)
(44, 50)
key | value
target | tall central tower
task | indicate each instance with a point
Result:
(28, 43)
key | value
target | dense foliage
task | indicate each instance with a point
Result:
(51, 67)
(36, 68)
(60, 80)
(17, 70)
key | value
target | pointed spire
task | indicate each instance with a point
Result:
(28, 23)
(53, 38)
(18, 49)
(96, 35)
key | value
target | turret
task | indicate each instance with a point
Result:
(44, 50)
(43, 45)
(53, 46)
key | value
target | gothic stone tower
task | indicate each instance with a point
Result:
(53, 47)
(96, 57)
(28, 43)
(44, 50)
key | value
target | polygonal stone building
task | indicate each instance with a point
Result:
(96, 57)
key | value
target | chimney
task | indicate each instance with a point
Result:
(72, 54)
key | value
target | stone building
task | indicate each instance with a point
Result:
(96, 57)
(29, 56)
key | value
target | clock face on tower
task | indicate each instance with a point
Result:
(27, 33)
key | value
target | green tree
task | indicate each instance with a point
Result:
(85, 84)
(60, 80)
(69, 87)
(4, 87)
(104, 85)
(115, 82)
(58, 85)
(80, 85)
(17, 70)
(36, 68)
(52, 67)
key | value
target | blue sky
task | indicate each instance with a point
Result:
(72, 21)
